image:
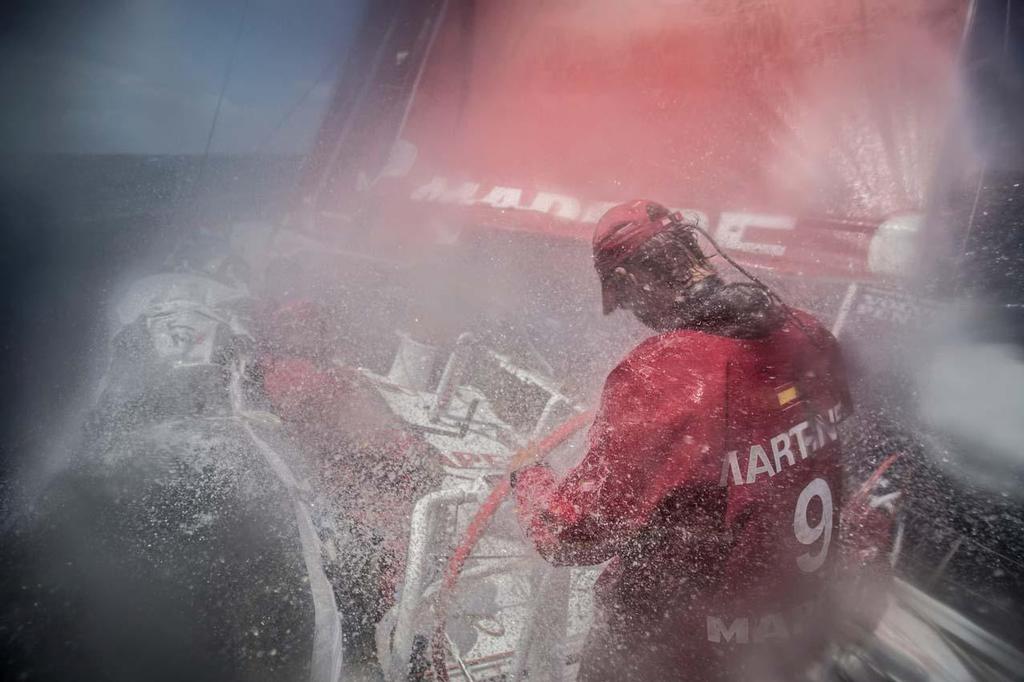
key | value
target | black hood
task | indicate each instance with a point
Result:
(742, 311)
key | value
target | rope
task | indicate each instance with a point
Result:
(531, 453)
(331, 65)
(220, 99)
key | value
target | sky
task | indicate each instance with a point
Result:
(144, 76)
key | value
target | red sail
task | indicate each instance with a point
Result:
(790, 128)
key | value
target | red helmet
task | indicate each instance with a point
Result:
(619, 234)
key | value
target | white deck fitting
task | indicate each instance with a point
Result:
(492, 611)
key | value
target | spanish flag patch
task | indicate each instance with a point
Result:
(786, 394)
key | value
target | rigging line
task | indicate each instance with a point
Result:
(940, 177)
(220, 99)
(349, 120)
(983, 170)
(332, 63)
(1006, 30)
(434, 30)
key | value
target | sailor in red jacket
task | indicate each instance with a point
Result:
(713, 480)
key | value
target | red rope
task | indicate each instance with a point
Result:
(862, 493)
(482, 518)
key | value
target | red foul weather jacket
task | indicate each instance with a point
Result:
(713, 483)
